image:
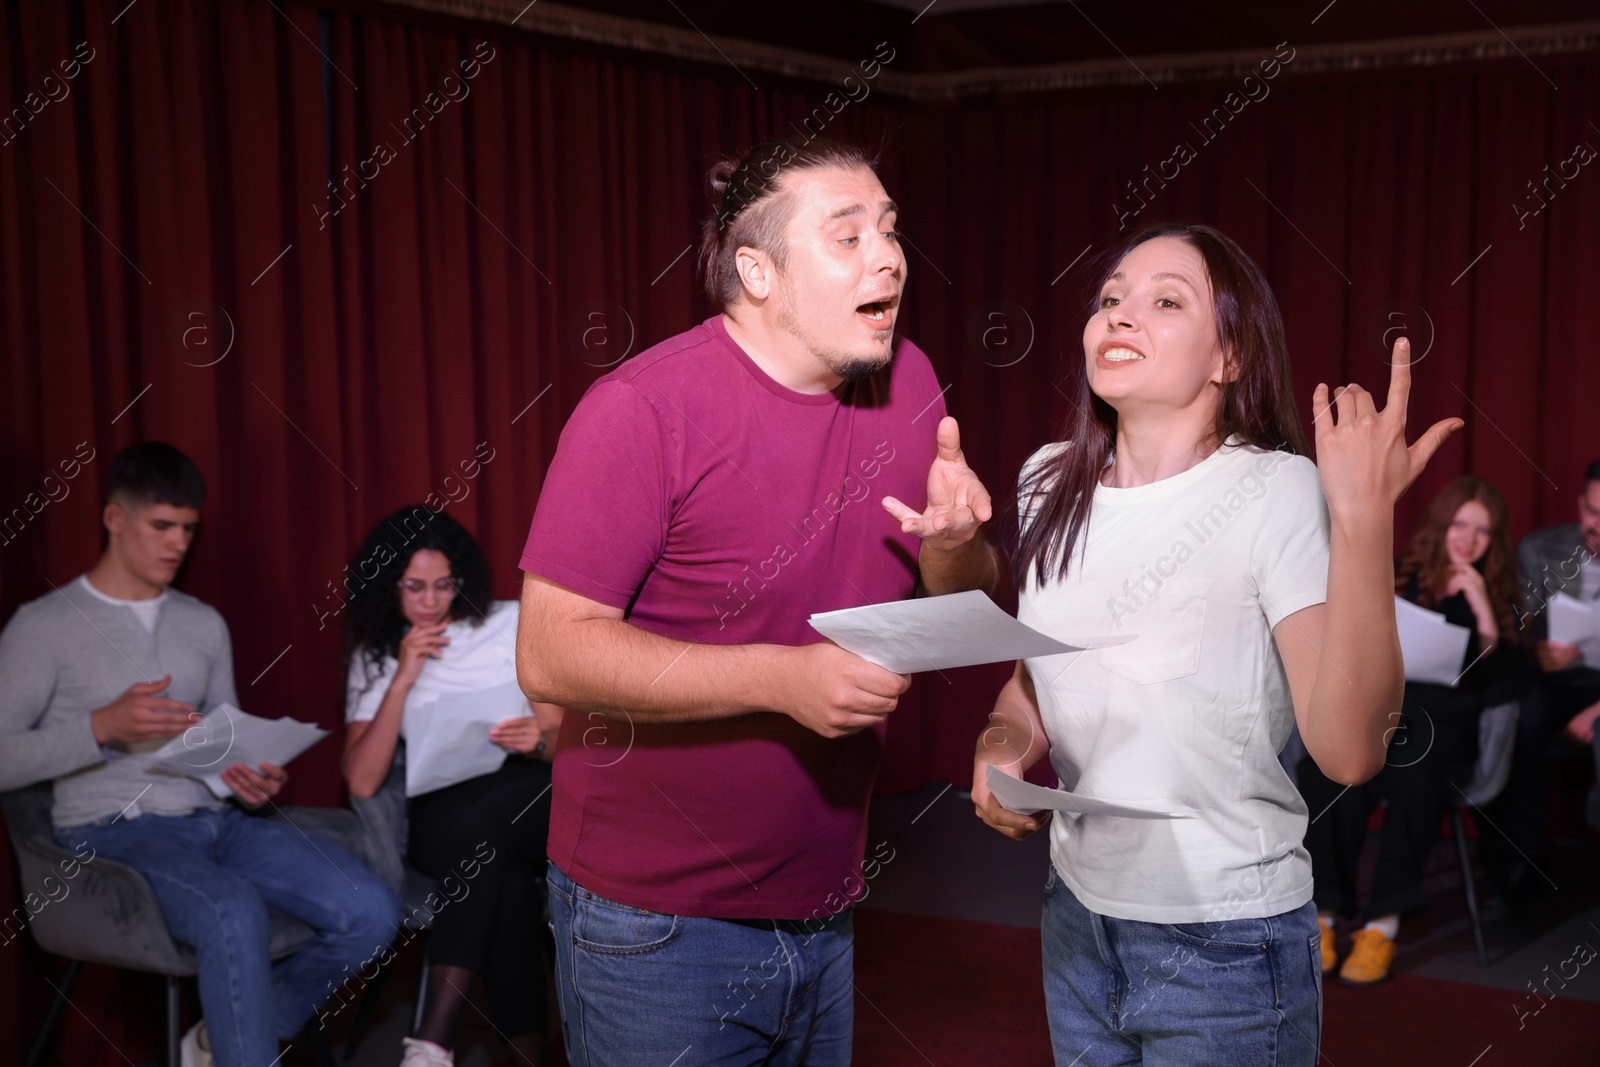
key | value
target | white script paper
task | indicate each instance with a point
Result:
(226, 736)
(935, 632)
(1025, 798)
(1432, 649)
(447, 740)
(1573, 622)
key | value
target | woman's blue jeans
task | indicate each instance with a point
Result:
(1230, 993)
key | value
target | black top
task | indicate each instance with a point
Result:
(1485, 678)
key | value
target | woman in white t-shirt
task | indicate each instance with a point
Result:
(421, 629)
(1179, 508)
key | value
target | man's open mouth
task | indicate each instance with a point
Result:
(878, 312)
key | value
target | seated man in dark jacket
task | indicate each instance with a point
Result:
(1566, 700)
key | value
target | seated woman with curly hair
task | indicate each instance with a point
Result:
(422, 629)
(1459, 564)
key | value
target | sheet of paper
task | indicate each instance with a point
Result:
(932, 633)
(1432, 649)
(1574, 622)
(1025, 798)
(226, 736)
(447, 741)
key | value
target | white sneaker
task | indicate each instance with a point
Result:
(424, 1054)
(195, 1050)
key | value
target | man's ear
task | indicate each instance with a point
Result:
(114, 517)
(755, 272)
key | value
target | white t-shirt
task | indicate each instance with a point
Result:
(477, 658)
(146, 611)
(1192, 713)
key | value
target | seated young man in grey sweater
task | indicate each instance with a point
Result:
(97, 675)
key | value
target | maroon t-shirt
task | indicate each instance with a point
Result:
(717, 506)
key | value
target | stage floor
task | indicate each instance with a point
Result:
(948, 961)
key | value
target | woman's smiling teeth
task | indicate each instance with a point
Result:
(1120, 355)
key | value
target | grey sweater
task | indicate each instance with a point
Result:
(68, 653)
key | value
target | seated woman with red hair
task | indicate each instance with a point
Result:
(1458, 563)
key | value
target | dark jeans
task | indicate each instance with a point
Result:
(1521, 811)
(1429, 755)
(484, 841)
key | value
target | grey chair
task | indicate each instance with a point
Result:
(384, 829)
(1497, 737)
(382, 818)
(111, 915)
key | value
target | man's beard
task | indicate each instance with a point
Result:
(854, 370)
(847, 366)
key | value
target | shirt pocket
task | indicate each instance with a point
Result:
(1170, 627)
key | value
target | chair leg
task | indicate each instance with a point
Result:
(321, 1051)
(369, 1003)
(52, 1016)
(422, 995)
(174, 1033)
(1458, 830)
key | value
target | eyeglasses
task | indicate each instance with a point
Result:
(416, 586)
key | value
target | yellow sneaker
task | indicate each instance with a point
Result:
(1330, 949)
(1371, 953)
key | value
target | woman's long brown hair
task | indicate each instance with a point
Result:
(1257, 405)
(1426, 558)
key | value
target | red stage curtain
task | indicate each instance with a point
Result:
(514, 242)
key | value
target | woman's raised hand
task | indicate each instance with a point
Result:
(1464, 578)
(1363, 460)
(420, 644)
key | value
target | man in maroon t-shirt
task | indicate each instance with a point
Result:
(708, 496)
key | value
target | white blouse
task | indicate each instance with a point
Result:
(477, 658)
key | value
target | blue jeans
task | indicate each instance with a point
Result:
(641, 988)
(1235, 992)
(215, 874)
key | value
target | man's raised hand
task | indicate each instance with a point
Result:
(957, 501)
